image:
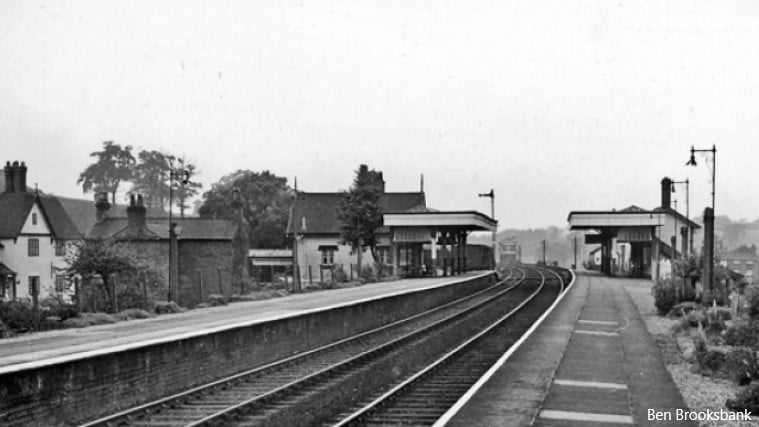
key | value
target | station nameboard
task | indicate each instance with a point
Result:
(593, 239)
(409, 235)
(634, 234)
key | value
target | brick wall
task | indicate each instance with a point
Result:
(209, 260)
(77, 391)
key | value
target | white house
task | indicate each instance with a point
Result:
(35, 235)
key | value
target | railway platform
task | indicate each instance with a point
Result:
(591, 362)
(53, 347)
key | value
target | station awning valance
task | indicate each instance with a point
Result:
(604, 219)
(463, 220)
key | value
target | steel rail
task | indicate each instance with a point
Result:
(359, 416)
(130, 415)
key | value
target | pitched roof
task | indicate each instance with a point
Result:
(158, 228)
(319, 210)
(15, 207)
(84, 214)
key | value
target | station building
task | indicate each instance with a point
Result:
(415, 240)
(638, 242)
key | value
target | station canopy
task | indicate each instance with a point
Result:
(420, 225)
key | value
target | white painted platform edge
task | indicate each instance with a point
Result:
(585, 416)
(591, 384)
(598, 322)
(599, 333)
(464, 399)
(200, 332)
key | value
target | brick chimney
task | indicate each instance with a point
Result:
(8, 177)
(15, 177)
(136, 213)
(666, 192)
(101, 206)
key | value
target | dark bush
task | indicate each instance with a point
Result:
(17, 315)
(56, 306)
(164, 307)
(129, 297)
(665, 296)
(752, 304)
(709, 361)
(746, 399)
(5, 331)
(339, 275)
(215, 300)
(743, 334)
(742, 365)
(367, 273)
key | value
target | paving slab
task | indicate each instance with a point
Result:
(592, 360)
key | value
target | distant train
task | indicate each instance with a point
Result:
(510, 253)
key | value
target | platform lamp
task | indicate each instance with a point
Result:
(687, 209)
(183, 176)
(708, 220)
(491, 194)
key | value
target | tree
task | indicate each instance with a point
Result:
(113, 166)
(266, 200)
(184, 191)
(360, 212)
(98, 257)
(151, 175)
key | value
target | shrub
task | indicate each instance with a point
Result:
(129, 297)
(743, 334)
(665, 296)
(98, 318)
(367, 273)
(339, 275)
(709, 361)
(747, 399)
(215, 300)
(133, 313)
(55, 305)
(17, 315)
(166, 307)
(752, 304)
(203, 305)
(89, 319)
(742, 365)
(5, 331)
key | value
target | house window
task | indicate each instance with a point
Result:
(61, 284)
(34, 247)
(328, 256)
(34, 219)
(383, 252)
(60, 248)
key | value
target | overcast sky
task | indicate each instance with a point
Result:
(557, 105)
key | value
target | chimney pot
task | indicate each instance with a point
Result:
(9, 177)
(101, 206)
(666, 192)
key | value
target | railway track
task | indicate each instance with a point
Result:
(316, 386)
(423, 398)
(270, 387)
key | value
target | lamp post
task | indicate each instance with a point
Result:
(687, 209)
(708, 222)
(183, 175)
(491, 194)
(692, 162)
